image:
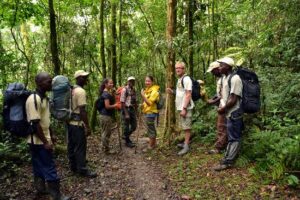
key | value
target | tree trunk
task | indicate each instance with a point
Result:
(170, 103)
(53, 39)
(120, 46)
(114, 41)
(190, 12)
(102, 43)
(215, 31)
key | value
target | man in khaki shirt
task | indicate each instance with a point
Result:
(42, 140)
(78, 127)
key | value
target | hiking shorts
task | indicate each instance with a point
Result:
(185, 123)
(150, 123)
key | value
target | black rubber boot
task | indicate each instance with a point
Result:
(54, 190)
(40, 185)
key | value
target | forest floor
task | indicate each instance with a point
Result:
(156, 175)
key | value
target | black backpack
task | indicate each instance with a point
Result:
(14, 111)
(196, 88)
(251, 90)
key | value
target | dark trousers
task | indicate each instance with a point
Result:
(77, 148)
(235, 126)
(129, 125)
(43, 163)
(221, 142)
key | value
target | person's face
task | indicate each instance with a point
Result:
(131, 83)
(224, 68)
(179, 68)
(216, 72)
(109, 84)
(148, 82)
(83, 79)
(46, 83)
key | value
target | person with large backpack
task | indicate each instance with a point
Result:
(221, 136)
(106, 107)
(184, 104)
(150, 96)
(78, 128)
(129, 107)
(42, 139)
(230, 105)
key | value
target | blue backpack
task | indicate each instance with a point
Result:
(61, 98)
(14, 110)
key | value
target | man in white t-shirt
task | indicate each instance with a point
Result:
(232, 88)
(184, 104)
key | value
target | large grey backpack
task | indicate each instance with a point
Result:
(61, 98)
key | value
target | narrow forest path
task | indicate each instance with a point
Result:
(122, 175)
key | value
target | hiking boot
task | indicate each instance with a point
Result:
(129, 144)
(222, 167)
(180, 145)
(54, 190)
(185, 150)
(40, 185)
(88, 174)
(214, 151)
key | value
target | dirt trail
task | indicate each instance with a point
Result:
(123, 175)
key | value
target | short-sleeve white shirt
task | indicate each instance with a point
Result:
(181, 91)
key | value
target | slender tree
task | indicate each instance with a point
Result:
(120, 43)
(102, 42)
(190, 11)
(170, 103)
(113, 41)
(53, 38)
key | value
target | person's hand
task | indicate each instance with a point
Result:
(169, 90)
(54, 139)
(221, 110)
(183, 113)
(48, 146)
(127, 117)
(142, 92)
(210, 101)
(88, 131)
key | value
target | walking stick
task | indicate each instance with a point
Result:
(138, 132)
(119, 134)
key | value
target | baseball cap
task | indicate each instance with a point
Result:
(227, 60)
(130, 78)
(80, 73)
(213, 66)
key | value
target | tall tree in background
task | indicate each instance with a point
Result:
(53, 39)
(120, 44)
(102, 43)
(113, 41)
(170, 103)
(190, 11)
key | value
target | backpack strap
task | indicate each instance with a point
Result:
(182, 80)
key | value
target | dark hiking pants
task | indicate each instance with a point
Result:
(77, 148)
(43, 163)
(129, 125)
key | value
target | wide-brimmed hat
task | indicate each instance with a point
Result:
(80, 73)
(227, 60)
(213, 66)
(130, 78)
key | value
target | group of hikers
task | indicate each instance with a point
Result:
(229, 120)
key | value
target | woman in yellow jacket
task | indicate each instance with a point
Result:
(150, 96)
